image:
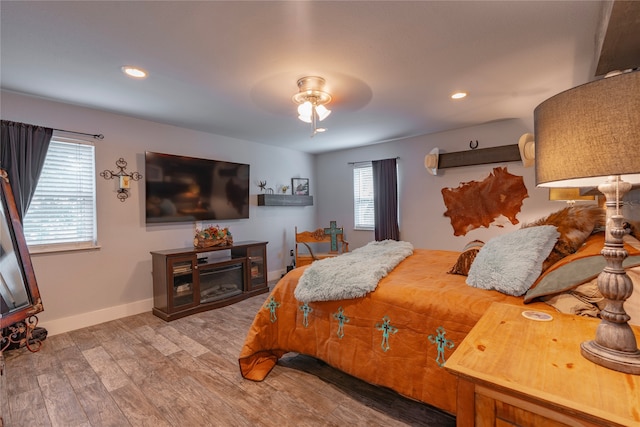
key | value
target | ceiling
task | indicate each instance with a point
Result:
(230, 67)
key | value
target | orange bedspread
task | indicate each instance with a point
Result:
(398, 336)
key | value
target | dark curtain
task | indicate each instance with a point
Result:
(385, 199)
(23, 149)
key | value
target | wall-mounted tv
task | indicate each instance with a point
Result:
(183, 189)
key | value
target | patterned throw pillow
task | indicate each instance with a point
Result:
(463, 264)
(575, 224)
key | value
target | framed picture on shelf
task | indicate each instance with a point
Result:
(300, 186)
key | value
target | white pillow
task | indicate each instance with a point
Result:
(512, 262)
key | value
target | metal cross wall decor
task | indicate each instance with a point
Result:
(123, 177)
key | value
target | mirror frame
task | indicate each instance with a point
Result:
(24, 259)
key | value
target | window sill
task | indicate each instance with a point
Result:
(42, 250)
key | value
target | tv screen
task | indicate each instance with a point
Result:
(181, 189)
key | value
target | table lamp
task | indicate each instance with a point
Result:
(590, 136)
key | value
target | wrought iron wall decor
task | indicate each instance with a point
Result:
(123, 177)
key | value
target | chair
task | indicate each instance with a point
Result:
(331, 238)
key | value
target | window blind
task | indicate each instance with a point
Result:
(62, 212)
(363, 196)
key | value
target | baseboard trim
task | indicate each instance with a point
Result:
(71, 323)
(83, 320)
(275, 275)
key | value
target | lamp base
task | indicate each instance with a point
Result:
(621, 361)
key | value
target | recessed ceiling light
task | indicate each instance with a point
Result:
(135, 72)
(459, 95)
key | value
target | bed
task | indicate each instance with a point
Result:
(400, 335)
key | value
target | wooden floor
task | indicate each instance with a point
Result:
(142, 371)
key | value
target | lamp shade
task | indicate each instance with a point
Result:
(322, 112)
(305, 110)
(588, 133)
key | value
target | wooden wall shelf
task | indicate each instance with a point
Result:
(284, 200)
(482, 156)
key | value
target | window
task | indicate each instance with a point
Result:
(363, 196)
(62, 212)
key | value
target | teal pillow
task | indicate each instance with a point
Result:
(512, 262)
(573, 274)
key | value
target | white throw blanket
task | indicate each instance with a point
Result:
(353, 274)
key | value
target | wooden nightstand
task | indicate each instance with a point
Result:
(517, 371)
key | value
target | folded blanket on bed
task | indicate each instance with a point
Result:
(353, 274)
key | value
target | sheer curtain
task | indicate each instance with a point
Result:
(22, 153)
(385, 200)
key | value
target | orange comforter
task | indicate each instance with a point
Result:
(398, 336)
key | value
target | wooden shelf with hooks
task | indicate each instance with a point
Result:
(481, 156)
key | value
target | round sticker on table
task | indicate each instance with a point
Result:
(540, 316)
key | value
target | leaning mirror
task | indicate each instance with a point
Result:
(19, 295)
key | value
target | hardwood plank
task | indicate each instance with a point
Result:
(182, 341)
(222, 366)
(157, 341)
(138, 320)
(134, 405)
(59, 342)
(142, 371)
(171, 400)
(5, 413)
(213, 405)
(396, 409)
(16, 382)
(99, 406)
(135, 360)
(33, 416)
(106, 331)
(60, 400)
(25, 400)
(202, 372)
(106, 368)
(43, 361)
(77, 369)
(84, 338)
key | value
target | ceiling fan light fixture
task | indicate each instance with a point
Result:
(304, 110)
(303, 118)
(311, 99)
(322, 112)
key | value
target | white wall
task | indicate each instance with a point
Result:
(421, 205)
(83, 288)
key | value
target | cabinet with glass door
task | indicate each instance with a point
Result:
(191, 280)
(256, 257)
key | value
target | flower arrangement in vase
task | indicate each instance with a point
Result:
(213, 236)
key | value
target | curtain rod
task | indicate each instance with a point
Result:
(368, 161)
(95, 136)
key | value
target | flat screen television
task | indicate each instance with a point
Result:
(183, 189)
